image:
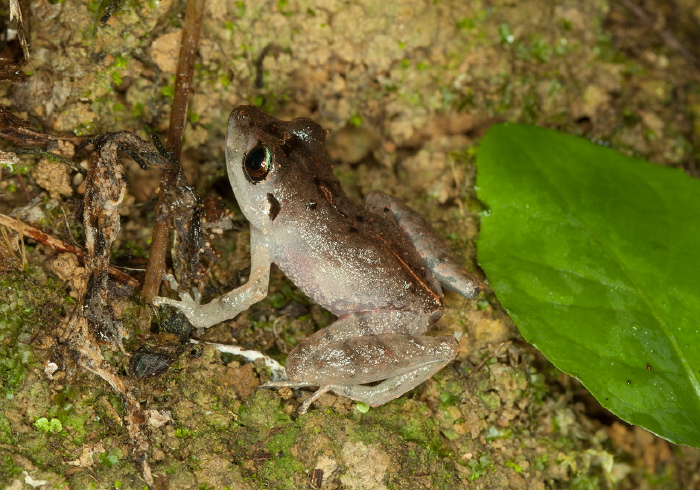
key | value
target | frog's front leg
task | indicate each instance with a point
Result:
(232, 303)
(367, 347)
(434, 251)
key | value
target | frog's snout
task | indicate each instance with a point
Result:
(245, 114)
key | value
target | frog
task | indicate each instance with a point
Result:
(379, 267)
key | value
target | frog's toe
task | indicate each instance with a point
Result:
(194, 298)
(296, 385)
(160, 301)
(185, 307)
(317, 394)
(186, 301)
(170, 279)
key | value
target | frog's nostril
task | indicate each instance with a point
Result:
(240, 113)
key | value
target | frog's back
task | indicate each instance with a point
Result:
(348, 259)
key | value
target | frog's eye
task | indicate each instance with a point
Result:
(256, 163)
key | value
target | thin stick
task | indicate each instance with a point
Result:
(491, 354)
(178, 115)
(60, 246)
(666, 34)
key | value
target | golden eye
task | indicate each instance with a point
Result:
(257, 163)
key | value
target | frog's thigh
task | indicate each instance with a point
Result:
(371, 358)
(432, 249)
(311, 356)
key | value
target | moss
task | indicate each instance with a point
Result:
(8, 468)
(263, 411)
(74, 411)
(479, 467)
(110, 458)
(280, 471)
(31, 304)
(409, 419)
(6, 436)
(284, 293)
(38, 446)
(281, 442)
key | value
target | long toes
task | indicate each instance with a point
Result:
(159, 301)
(170, 279)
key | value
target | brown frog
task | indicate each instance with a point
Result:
(378, 267)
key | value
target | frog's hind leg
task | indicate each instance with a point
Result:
(390, 388)
(401, 362)
(379, 394)
(434, 251)
(368, 347)
(375, 395)
(442, 352)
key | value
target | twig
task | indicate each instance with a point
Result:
(668, 37)
(12, 72)
(93, 320)
(21, 133)
(52, 156)
(17, 12)
(178, 115)
(60, 246)
(491, 354)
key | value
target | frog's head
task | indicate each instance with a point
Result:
(271, 162)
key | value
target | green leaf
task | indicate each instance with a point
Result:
(596, 257)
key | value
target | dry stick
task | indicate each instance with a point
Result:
(491, 354)
(178, 115)
(20, 132)
(666, 34)
(60, 246)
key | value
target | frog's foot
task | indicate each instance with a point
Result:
(170, 279)
(317, 394)
(188, 303)
(185, 297)
(374, 396)
(390, 388)
(296, 385)
(287, 384)
(277, 371)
